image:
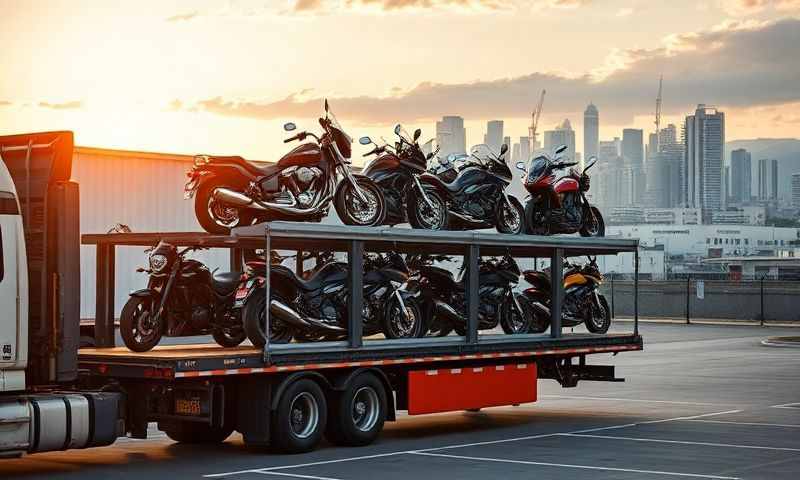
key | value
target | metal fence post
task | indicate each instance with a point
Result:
(472, 259)
(355, 281)
(636, 292)
(557, 291)
(688, 286)
(762, 300)
(612, 296)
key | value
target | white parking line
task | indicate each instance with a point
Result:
(296, 475)
(681, 442)
(795, 406)
(641, 400)
(754, 424)
(448, 447)
(567, 465)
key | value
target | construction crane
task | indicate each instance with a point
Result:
(658, 112)
(535, 120)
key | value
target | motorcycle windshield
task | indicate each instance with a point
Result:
(537, 168)
(342, 139)
(484, 153)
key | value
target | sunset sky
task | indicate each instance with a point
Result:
(222, 76)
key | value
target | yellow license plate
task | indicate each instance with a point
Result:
(187, 407)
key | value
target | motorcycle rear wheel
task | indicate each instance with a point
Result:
(424, 216)
(229, 339)
(254, 318)
(216, 218)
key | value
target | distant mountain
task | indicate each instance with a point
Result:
(785, 150)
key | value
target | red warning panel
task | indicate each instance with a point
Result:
(450, 389)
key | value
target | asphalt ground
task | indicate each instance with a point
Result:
(701, 401)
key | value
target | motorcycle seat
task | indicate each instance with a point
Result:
(322, 276)
(266, 171)
(225, 282)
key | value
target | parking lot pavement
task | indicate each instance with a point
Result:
(699, 402)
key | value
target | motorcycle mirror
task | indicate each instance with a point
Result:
(417, 134)
(397, 129)
(364, 140)
(560, 149)
(503, 149)
(430, 155)
(521, 166)
(592, 161)
(326, 105)
(289, 126)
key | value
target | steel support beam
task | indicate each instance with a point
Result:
(472, 259)
(236, 261)
(267, 293)
(557, 291)
(635, 292)
(355, 281)
(104, 328)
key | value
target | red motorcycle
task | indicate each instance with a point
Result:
(558, 204)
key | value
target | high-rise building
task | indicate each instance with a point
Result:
(451, 136)
(507, 143)
(607, 180)
(741, 176)
(796, 190)
(525, 149)
(767, 179)
(562, 135)
(704, 138)
(494, 134)
(633, 154)
(591, 131)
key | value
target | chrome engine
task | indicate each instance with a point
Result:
(302, 183)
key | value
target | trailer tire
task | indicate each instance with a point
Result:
(300, 418)
(193, 432)
(358, 412)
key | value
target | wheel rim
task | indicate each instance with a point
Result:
(594, 225)
(223, 216)
(430, 217)
(363, 213)
(402, 325)
(278, 331)
(598, 316)
(511, 218)
(304, 415)
(143, 328)
(516, 320)
(365, 408)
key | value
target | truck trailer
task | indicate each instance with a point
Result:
(56, 393)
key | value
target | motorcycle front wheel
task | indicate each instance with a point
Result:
(427, 216)
(510, 219)
(353, 211)
(213, 216)
(593, 226)
(515, 322)
(600, 317)
(136, 326)
(398, 324)
(254, 318)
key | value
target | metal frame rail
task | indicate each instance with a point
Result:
(354, 241)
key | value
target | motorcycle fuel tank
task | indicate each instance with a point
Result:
(307, 155)
(566, 184)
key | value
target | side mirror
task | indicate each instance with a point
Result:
(364, 140)
(592, 161)
(560, 149)
(503, 149)
(417, 134)
(289, 126)
(521, 166)
(326, 105)
(429, 156)
(397, 129)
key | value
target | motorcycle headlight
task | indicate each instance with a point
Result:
(158, 262)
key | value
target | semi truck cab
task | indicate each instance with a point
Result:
(43, 404)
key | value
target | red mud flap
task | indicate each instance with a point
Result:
(451, 389)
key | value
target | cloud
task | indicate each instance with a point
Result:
(183, 17)
(72, 105)
(736, 64)
(458, 6)
(624, 12)
(5, 103)
(751, 7)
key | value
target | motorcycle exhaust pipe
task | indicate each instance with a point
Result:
(240, 200)
(448, 312)
(288, 315)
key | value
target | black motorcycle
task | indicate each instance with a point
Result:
(442, 297)
(182, 298)
(582, 303)
(230, 191)
(475, 199)
(396, 171)
(316, 307)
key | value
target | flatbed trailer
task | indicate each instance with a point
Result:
(289, 395)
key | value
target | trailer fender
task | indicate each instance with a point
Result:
(341, 382)
(317, 377)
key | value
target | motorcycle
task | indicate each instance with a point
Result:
(582, 303)
(182, 298)
(230, 191)
(316, 308)
(396, 171)
(475, 199)
(443, 300)
(559, 205)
